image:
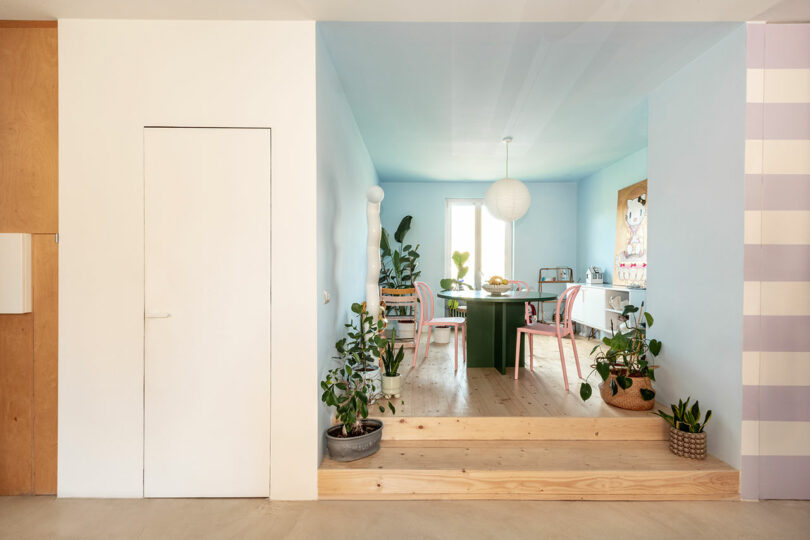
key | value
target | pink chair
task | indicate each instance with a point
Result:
(542, 329)
(529, 313)
(426, 319)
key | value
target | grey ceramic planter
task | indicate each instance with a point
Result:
(352, 448)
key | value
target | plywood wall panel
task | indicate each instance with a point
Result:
(45, 282)
(16, 415)
(28, 129)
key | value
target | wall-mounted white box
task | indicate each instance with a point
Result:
(15, 273)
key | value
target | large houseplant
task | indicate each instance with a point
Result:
(352, 386)
(399, 269)
(626, 371)
(459, 258)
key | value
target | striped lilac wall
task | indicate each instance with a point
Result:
(776, 305)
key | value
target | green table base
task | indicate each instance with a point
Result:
(486, 348)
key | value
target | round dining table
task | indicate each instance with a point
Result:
(492, 323)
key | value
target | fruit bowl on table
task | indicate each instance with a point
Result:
(496, 290)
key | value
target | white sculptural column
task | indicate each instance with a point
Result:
(374, 196)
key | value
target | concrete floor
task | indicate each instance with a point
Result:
(47, 517)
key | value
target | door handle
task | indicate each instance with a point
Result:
(157, 315)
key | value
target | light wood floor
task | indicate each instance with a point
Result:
(432, 388)
(24, 518)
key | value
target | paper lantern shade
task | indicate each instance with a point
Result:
(508, 199)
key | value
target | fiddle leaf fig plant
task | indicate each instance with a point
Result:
(346, 388)
(626, 354)
(457, 283)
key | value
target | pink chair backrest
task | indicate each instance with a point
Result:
(425, 295)
(568, 297)
(521, 285)
(527, 307)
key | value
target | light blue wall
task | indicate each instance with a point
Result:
(695, 282)
(345, 172)
(545, 236)
(596, 212)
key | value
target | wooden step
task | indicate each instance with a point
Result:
(633, 428)
(530, 470)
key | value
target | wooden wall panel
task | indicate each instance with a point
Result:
(28, 128)
(16, 415)
(45, 282)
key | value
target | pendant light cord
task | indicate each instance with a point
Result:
(507, 159)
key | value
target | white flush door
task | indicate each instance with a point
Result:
(207, 312)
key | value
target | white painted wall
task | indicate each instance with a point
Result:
(695, 282)
(115, 77)
(345, 172)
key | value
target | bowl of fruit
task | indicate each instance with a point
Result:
(497, 286)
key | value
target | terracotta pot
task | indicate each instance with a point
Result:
(688, 445)
(629, 399)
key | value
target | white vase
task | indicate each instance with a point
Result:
(441, 335)
(405, 330)
(391, 386)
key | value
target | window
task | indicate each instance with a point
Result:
(470, 227)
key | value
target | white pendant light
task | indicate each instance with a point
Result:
(508, 199)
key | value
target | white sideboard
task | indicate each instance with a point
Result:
(592, 306)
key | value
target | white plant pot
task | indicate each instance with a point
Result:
(391, 386)
(405, 330)
(441, 335)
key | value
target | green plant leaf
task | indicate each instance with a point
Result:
(393, 409)
(665, 416)
(706, 420)
(647, 395)
(603, 369)
(613, 387)
(655, 347)
(385, 243)
(629, 308)
(696, 411)
(446, 284)
(649, 319)
(585, 391)
(402, 230)
(624, 382)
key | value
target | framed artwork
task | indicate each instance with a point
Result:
(630, 268)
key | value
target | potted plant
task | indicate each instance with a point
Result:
(399, 270)
(350, 390)
(391, 379)
(626, 372)
(687, 437)
(442, 334)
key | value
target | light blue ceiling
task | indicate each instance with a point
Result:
(434, 100)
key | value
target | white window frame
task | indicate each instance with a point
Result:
(475, 266)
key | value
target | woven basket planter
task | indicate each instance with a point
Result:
(688, 445)
(629, 399)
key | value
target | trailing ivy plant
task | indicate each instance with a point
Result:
(685, 418)
(345, 387)
(457, 283)
(626, 355)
